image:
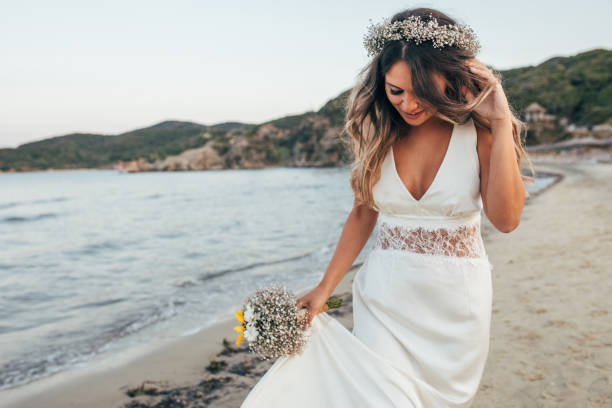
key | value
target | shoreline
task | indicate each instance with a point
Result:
(558, 177)
(177, 369)
(598, 151)
(109, 378)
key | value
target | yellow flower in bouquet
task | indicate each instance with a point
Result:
(240, 327)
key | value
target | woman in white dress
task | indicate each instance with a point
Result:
(434, 141)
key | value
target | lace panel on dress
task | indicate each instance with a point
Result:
(462, 240)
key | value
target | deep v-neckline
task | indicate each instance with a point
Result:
(444, 159)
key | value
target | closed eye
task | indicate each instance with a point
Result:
(395, 92)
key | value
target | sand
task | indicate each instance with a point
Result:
(551, 334)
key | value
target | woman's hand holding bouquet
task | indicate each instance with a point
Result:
(276, 323)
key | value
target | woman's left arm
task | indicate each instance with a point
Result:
(501, 185)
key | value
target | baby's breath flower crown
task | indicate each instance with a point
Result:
(414, 28)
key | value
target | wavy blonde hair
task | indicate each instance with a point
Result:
(372, 123)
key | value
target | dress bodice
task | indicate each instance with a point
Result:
(445, 221)
(454, 192)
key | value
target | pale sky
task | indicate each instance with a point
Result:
(113, 66)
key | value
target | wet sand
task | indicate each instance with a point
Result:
(551, 334)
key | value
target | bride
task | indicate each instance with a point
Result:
(435, 142)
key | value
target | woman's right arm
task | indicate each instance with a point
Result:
(355, 233)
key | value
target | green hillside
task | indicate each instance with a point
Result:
(578, 87)
(80, 150)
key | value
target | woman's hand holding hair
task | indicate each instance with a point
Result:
(495, 106)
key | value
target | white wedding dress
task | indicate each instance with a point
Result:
(421, 304)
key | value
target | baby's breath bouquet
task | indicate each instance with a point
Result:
(272, 323)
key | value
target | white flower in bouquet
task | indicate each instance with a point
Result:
(250, 314)
(251, 332)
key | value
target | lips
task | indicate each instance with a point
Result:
(412, 115)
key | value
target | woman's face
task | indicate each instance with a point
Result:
(398, 86)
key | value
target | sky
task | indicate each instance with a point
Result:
(109, 67)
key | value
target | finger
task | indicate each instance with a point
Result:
(484, 73)
(477, 72)
(466, 93)
(473, 63)
(477, 63)
(476, 69)
(483, 69)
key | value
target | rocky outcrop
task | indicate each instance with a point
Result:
(312, 141)
(201, 158)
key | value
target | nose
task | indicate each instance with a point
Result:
(409, 105)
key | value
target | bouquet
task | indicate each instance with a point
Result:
(272, 323)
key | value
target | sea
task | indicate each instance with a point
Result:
(95, 262)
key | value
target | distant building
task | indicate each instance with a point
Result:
(604, 127)
(536, 113)
(572, 127)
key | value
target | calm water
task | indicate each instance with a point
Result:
(97, 261)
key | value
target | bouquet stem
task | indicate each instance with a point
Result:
(332, 303)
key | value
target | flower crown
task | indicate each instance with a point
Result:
(413, 27)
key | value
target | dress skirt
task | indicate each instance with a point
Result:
(420, 339)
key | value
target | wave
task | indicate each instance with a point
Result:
(62, 355)
(212, 275)
(14, 329)
(16, 219)
(13, 204)
(94, 248)
(7, 267)
(98, 304)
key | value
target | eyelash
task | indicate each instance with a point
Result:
(395, 92)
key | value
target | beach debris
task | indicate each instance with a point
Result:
(142, 390)
(216, 365)
(229, 348)
(186, 397)
(243, 367)
(211, 384)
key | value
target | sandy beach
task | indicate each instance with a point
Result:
(551, 334)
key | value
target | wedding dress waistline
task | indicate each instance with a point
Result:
(442, 236)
